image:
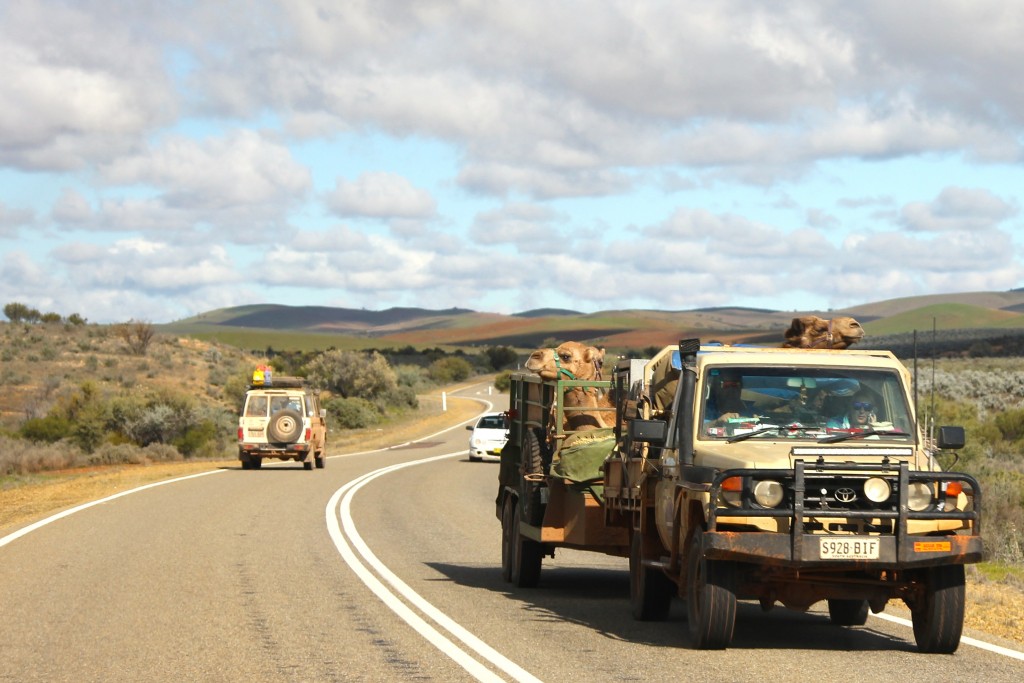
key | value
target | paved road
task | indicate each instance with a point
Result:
(382, 567)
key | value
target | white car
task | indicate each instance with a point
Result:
(490, 433)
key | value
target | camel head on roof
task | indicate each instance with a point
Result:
(568, 360)
(812, 332)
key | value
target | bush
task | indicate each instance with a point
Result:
(503, 381)
(352, 413)
(49, 429)
(448, 370)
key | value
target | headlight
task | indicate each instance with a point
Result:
(919, 496)
(877, 490)
(768, 493)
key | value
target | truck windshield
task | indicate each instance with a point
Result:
(802, 402)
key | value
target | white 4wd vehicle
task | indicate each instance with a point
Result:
(282, 420)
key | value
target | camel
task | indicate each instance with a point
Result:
(571, 359)
(574, 360)
(811, 332)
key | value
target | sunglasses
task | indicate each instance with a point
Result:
(862, 405)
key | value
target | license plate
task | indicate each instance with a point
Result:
(849, 548)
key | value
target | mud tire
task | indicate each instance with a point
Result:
(938, 615)
(710, 598)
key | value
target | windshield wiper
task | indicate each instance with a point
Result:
(836, 438)
(795, 427)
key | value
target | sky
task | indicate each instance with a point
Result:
(163, 159)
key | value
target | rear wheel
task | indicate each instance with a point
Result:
(938, 614)
(848, 612)
(255, 462)
(710, 598)
(650, 591)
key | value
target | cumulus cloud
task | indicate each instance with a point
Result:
(243, 167)
(68, 103)
(958, 209)
(381, 194)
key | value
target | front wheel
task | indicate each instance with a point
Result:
(938, 614)
(710, 598)
(650, 591)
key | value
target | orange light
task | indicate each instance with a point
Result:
(733, 484)
(954, 488)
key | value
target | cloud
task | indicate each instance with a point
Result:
(381, 195)
(75, 104)
(957, 209)
(242, 167)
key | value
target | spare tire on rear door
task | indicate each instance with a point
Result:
(285, 426)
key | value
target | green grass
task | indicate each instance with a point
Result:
(999, 572)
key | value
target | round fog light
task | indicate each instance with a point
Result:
(877, 490)
(919, 496)
(768, 493)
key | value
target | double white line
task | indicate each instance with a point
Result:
(426, 619)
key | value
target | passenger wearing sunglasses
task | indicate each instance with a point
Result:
(859, 414)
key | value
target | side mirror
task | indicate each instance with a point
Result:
(323, 413)
(469, 427)
(951, 437)
(651, 431)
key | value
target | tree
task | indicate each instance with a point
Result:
(17, 313)
(353, 374)
(137, 334)
(448, 370)
(501, 357)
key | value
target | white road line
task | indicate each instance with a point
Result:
(997, 649)
(60, 515)
(355, 544)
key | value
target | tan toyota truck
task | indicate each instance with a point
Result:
(782, 476)
(281, 418)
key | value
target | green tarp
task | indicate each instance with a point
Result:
(582, 458)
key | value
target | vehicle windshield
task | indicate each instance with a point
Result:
(491, 422)
(739, 402)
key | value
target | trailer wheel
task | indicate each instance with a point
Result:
(710, 598)
(520, 556)
(533, 463)
(319, 460)
(650, 591)
(938, 614)
(507, 551)
(848, 612)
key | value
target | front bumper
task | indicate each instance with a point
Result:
(954, 537)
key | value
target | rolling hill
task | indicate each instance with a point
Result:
(257, 326)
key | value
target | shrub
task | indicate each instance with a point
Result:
(352, 413)
(503, 381)
(448, 370)
(49, 429)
